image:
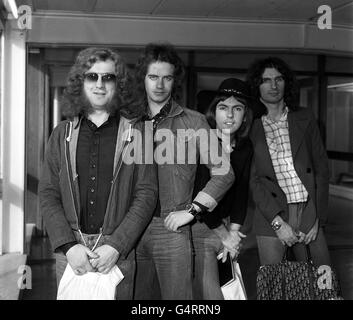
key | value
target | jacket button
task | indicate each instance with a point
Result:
(308, 170)
(274, 195)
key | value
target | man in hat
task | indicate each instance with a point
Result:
(230, 112)
(165, 248)
(289, 179)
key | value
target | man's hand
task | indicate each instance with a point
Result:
(231, 241)
(234, 231)
(107, 258)
(312, 234)
(286, 234)
(177, 219)
(234, 226)
(77, 256)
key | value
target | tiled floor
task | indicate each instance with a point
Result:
(339, 233)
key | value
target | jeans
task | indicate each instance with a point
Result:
(124, 290)
(271, 250)
(206, 279)
(163, 264)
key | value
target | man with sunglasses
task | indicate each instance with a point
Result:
(289, 179)
(94, 204)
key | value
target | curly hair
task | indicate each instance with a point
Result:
(254, 79)
(73, 102)
(153, 52)
(243, 132)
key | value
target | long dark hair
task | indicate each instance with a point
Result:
(74, 102)
(243, 132)
(153, 52)
(254, 79)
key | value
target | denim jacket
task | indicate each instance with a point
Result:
(176, 179)
(132, 197)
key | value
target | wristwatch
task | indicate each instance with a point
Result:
(191, 209)
(276, 225)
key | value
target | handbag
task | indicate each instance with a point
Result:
(231, 280)
(297, 280)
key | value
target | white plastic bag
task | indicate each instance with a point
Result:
(235, 289)
(90, 286)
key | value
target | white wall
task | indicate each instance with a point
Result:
(13, 140)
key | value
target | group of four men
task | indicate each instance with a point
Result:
(100, 210)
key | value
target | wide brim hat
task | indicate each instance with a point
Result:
(235, 87)
(240, 89)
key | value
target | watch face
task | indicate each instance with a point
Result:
(276, 225)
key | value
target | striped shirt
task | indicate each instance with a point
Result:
(277, 138)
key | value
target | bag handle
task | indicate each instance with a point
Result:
(308, 254)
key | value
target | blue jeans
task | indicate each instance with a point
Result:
(271, 250)
(124, 291)
(163, 264)
(206, 279)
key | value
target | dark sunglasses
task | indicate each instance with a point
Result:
(106, 77)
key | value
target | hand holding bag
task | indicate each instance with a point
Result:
(296, 280)
(89, 286)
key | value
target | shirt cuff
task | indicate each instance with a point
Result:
(66, 247)
(203, 208)
(206, 200)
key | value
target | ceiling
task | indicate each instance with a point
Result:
(278, 10)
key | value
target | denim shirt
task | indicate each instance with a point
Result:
(176, 178)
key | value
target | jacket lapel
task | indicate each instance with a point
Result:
(73, 139)
(297, 124)
(124, 135)
(261, 146)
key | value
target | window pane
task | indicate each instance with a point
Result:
(339, 127)
(341, 173)
(308, 93)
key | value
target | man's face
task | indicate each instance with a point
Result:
(100, 84)
(272, 86)
(159, 82)
(230, 114)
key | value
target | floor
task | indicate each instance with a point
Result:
(12, 265)
(339, 234)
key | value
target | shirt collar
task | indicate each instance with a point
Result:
(111, 119)
(282, 119)
(163, 112)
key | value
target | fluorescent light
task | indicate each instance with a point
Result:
(348, 87)
(11, 7)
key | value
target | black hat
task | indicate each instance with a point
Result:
(234, 87)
